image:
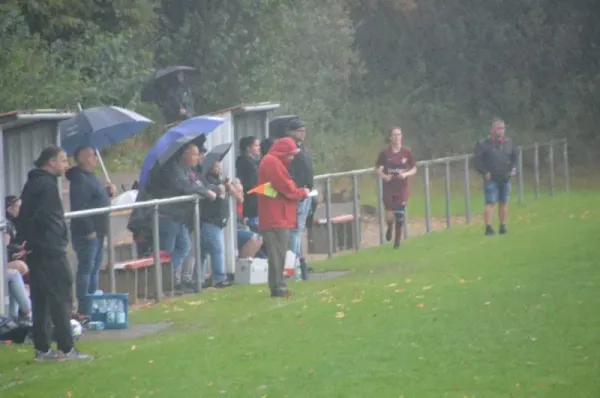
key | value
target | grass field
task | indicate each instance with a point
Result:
(452, 314)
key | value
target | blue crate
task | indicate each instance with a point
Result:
(111, 309)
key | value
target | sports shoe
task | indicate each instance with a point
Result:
(388, 232)
(74, 355)
(489, 231)
(41, 356)
(502, 230)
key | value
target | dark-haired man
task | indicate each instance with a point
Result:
(41, 226)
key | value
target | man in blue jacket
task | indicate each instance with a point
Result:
(495, 159)
(86, 191)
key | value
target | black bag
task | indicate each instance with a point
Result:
(12, 331)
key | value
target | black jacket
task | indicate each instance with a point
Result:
(215, 211)
(171, 181)
(246, 170)
(41, 222)
(87, 192)
(496, 158)
(301, 169)
(11, 230)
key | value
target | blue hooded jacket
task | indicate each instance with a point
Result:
(86, 191)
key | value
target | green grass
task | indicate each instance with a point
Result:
(452, 314)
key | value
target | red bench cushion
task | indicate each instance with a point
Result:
(140, 263)
(335, 220)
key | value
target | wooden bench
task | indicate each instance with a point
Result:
(136, 277)
(343, 234)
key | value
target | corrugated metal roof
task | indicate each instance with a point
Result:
(16, 118)
(241, 108)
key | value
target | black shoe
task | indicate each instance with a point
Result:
(388, 232)
(224, 284)
(188, 287)
(178, 290)
(489, 231)
(281, 293)
(502, 230)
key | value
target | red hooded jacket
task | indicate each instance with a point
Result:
(279, 212)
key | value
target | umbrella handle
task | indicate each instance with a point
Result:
(103, 166)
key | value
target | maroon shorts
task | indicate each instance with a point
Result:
(391, 200)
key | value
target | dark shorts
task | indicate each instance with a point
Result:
(496, 192)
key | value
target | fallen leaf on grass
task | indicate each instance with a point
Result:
(356, 301)
(487, 303)
(199, 302)
(386, 301)
(462, 281)
(312, 372)
(427, 287)
(407, 280)
(133, 347)
(579, 347)
(392, 285)
(420, 306)
(532, 338)
(339, 315)
(69, 394)
(419, 297)
(518, 386)
(399, 290)
(211, 337)
(151, 361)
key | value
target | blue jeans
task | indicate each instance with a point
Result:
(90, 253)
(295, 242)
(174, 239)
(212, 242)
(496, 191)
(17, 296)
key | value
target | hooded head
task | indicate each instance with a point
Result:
(285, 149)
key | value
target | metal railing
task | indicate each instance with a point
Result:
(424, 170)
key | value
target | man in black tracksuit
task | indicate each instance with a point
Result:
(301, 170)
(495, 159)
(41, 226)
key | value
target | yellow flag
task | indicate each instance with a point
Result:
(265, 189)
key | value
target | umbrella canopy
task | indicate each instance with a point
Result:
(277, 126)
(215, 155)
(176, 138)
(149, 90)
(126, 198)
(100, 127)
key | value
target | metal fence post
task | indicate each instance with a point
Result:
(520, 172)
(551, 167)
(566, 165)
(329, 217)
(405, 226)
(427, 199)
(197, 247)
(536, 170)
(356, 212)
(467, 192)
(380, 210)
(111, 256)
(156, 250)
(448, 209)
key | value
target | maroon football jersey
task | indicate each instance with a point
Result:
(395, 192)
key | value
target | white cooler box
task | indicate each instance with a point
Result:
(251, 271)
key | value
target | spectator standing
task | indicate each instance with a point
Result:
(178, 102)
(42, 228)
(301, 170)
(177, 178)
(495, 159)
(86, 192)
(246, 168)
(394, 165)
(277, 215)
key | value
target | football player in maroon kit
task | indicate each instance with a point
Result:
(394, 165)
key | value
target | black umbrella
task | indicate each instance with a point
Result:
(278, 125)
(150, 91)
(215, 155)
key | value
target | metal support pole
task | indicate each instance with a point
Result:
(566, 165)
(448, 210)
(551, 167)
(380, 210)
(427, 199)
(467, 191)
(356, 212)
(536, 170)
(110, 249)
(329, 217)
(405, 226)
(520, 173)
(156, 250)
(197, 247)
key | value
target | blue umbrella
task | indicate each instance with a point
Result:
(176, 138)
(100, 127)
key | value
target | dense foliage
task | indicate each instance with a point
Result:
(351, 68)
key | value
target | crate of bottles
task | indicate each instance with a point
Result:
(111, 309)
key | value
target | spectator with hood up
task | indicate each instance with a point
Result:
(86, 192)
(277, 215)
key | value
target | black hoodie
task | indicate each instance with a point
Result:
(41, 221)
(247, 172)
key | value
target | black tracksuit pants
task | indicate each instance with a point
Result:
(51, 282)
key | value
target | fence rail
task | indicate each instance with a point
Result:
(425, 171)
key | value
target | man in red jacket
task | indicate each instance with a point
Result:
(277, 215)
